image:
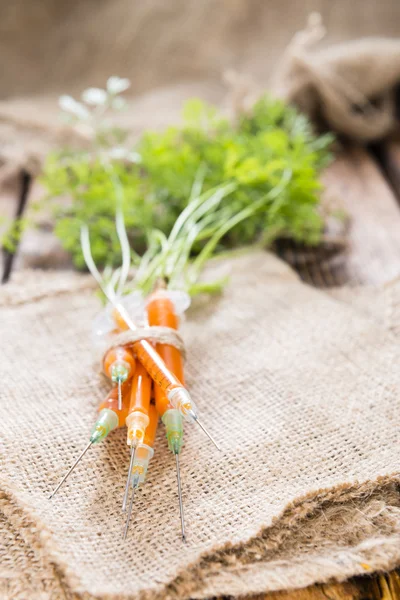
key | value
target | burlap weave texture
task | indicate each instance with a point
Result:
(302, 390)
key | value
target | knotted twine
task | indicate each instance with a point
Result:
(301, 390)
(156, 334)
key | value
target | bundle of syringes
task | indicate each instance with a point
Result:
(148, 378)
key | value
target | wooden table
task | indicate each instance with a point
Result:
(367, 186)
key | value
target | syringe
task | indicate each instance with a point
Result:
(143, 455)
(161, 311)
(163, 308)
(176, 393)
(137, 419)
(119, 365)
(110, 417)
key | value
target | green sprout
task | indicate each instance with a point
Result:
(155, 177)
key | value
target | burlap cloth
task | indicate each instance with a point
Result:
(351, 87)
(301, 389)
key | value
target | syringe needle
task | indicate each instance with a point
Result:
(119, 394)
(178, 478)
(128, 518)
(128, 481)
(207, 433)
(68, 473)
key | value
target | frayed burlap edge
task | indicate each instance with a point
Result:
(341, 518)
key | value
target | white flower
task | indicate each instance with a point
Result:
(123, 154)
(116, 85)
(94, 96)
(73, 107)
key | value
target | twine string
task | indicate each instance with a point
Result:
(155, 334)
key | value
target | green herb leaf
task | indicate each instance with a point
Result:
(205, 152)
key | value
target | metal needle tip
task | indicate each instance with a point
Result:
(207, 434)
(119, 394)
(128, 518)
(126, 493)
(68, 473)
(178, 479)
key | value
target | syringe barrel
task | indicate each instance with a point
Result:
(151, 428)
(111, 402)
(163, 309)
(138, 417)
(161, 312)
(140, 391)
(155, 366)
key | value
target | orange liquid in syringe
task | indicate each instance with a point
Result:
(161, 312)
(151, 360)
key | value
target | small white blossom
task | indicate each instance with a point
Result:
(94, 96)
(116, 85)
(73, 107)
(124, 154)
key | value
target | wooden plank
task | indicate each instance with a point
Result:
(355, 185)
(39, 247)
(374, 236)
(24, 182)
(15, 206)
(389, 154)
(8, 208)
(377, 587)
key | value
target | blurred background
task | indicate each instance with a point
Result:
(51, 45)
(174, 48)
